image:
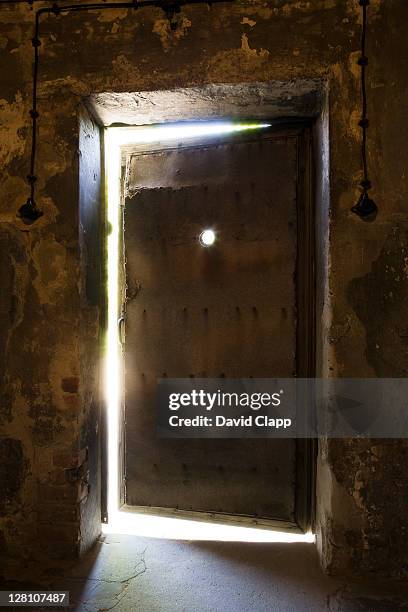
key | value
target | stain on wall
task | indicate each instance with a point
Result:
(49, 321)
(380, 300)
(13, 470)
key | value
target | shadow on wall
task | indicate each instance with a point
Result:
(380, 300)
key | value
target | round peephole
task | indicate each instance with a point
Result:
(207, 237)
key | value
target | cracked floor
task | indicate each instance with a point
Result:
(136, 574)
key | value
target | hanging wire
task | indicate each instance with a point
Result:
(365, 207)
(363, 123)
(30, 212)
(31, 3)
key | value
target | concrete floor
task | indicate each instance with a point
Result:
(137, 574)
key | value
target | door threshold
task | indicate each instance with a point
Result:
(171, 523)
(239, 520)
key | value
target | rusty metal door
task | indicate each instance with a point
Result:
(231, 310)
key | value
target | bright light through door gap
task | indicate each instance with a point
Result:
(133, 522)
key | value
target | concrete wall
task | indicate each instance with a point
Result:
(49, 315)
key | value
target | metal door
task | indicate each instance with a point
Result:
(230, 310)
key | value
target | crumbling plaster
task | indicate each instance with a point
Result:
(50, 319)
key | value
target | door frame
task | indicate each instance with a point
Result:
(306, 451)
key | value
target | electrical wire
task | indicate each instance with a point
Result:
(365, 208)
(31, 3)
(364, 123)
(30, 211)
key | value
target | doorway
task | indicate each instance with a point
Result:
(240, 307)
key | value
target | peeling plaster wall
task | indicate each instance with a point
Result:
(49, 318)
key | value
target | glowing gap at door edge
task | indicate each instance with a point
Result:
(114, 139)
